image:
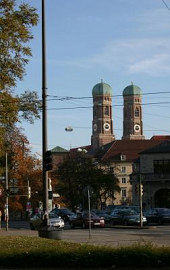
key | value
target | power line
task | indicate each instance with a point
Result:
(166, 5)
(62, 98)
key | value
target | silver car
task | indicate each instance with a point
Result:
(54, 220)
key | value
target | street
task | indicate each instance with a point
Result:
(115, 236)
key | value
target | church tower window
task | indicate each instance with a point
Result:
(137, 112)
(106, 110)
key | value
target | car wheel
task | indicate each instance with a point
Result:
(126, 223)
(72, 226)
(160, 222)
(112, 222)
(32, 227)
(84, 226)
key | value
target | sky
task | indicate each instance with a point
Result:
(118, 41)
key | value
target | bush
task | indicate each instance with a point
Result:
(28, 252)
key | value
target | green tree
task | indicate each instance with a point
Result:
(15, 34)
(16, 23)
(79, 171)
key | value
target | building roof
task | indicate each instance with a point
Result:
(87, 148)
(160, 137)
(163, 147)
(58, 149)
(132, 90)
(130, 149)
(101, 89)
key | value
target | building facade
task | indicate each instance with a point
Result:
(154, 169)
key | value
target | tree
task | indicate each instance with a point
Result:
(24, 167)
(15, 34)
(77, 172)
(16, 24)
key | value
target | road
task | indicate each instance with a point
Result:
(116, 236)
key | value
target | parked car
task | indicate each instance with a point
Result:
(81, 219)
(126, 217)
(109, 209)
(102, 213)
(65, 213)
(158, 215)
(54, 220)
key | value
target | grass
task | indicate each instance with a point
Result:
(29, 252)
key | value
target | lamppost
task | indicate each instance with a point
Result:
(44, 117)
(6, 183)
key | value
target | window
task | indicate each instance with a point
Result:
(161, 166)
(123, 169)
(123, 193)
(111, 169)
(123, 180)
(106, 110)
(137, 112)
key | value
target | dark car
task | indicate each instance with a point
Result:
(65, 213)
(102, 213)
(126, 217)
(81, 219)
(109, 209)
(158, 215)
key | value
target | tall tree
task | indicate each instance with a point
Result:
(77, 173)
(15, 34)
(16, 23)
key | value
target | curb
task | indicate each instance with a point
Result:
(131, 227)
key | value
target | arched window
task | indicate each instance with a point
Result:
(106, 110)
(137, 112)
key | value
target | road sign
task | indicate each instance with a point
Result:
(2, 177)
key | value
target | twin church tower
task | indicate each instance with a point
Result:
(102, 124)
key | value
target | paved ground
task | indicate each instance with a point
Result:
(114, 237)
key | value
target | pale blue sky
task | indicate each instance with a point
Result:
(118, 41)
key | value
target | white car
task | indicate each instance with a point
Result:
(54, 220)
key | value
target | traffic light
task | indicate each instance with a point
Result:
(48, 161)
(29, 192)
(137, 189)
(141, 189)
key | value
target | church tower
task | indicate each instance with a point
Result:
(102, 124)
(132, 113)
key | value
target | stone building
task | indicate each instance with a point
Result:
(153, 166)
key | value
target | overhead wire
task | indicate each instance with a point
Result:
(166, 5)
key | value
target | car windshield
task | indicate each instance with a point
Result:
(164, 211)
(86, 215)
(65, 211)
(53, 215)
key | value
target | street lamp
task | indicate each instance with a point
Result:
(44, 117)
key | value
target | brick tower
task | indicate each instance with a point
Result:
(102, 124)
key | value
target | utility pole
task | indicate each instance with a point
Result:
(7, 212)
(140, 199)
(44, 116)
(88, 195)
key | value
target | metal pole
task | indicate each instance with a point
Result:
(44, 115)
(88, 192)
(140, 199)
(7, 214)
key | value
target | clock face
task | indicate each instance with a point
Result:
(106, 126)
(137, 127)
(95, 127)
